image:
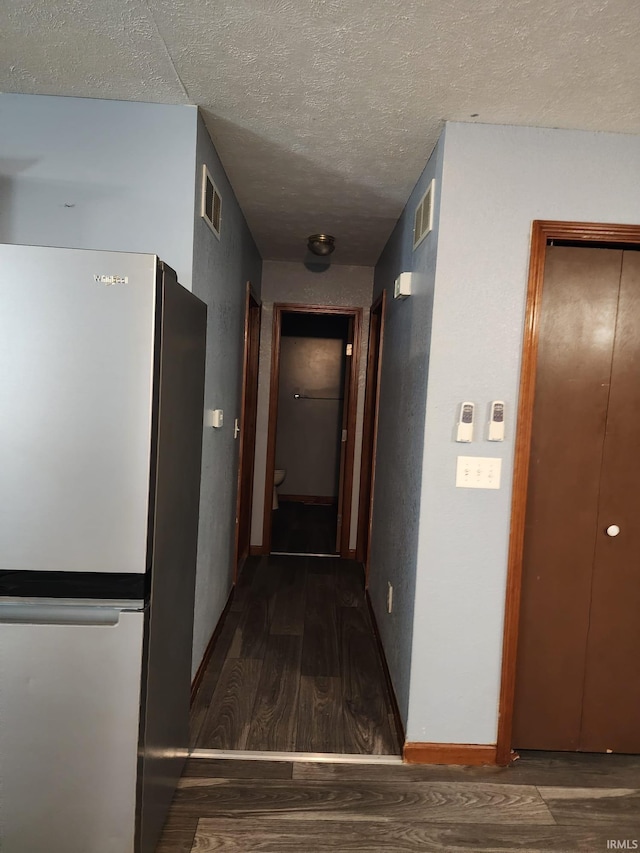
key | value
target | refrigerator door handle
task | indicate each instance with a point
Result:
(52, 614)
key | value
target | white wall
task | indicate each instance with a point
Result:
(221, 269)
(92, 174)
(496, 180)
(347, 286)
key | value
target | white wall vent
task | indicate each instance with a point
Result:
(423, 222)
(211, 203)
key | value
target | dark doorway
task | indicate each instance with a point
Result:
(308, 433)
(301, 526)
(311, 431)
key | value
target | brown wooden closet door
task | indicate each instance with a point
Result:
(611, 715)
(577, 327)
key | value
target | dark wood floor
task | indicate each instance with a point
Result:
(544, 803)
(296, 667)
(299, 528)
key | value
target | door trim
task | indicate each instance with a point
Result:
(370, 436)
(274, 382)
(541, 232)
(247, 441)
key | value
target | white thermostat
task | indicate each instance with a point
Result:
(402, 286)
(496, 421)
(464, 431)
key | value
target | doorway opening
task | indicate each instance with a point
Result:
(311, 436)
(573, 590)
(308, 433)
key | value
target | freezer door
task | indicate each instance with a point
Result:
(69, 733)
(76, 387)
(175, 540)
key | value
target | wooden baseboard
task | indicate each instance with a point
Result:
(197, 679)
(449, 753)
(351, 554)
(326, 500)
(387, 675)
(256, 550)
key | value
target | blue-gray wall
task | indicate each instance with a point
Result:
(90, 174)
(494, 181)
(126, 176)
(403, 390)
(221, 269)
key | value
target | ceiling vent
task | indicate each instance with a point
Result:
(423, 222)
(211, 205)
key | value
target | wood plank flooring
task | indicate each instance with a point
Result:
(544, 803)
(299, 528)
(296, 666)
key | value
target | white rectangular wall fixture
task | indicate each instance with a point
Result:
(214, 418)
(210, 202)
(464, 429)
(496, 421)
(402, 285)
(423, 217)
(478, 472)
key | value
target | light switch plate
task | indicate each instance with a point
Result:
(478, 472)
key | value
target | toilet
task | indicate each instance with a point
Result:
(278, 478)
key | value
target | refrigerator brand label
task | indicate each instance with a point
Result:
(111, 279)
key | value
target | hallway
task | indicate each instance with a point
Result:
(296, 667)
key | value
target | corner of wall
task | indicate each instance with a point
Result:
(221, 268)
(405, 373)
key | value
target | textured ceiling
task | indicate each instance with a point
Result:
(324, 111)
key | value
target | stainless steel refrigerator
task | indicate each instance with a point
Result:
(101, 411)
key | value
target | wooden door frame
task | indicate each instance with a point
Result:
(542, 231)
(251, 303)
(279, 309)
(370, 438)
